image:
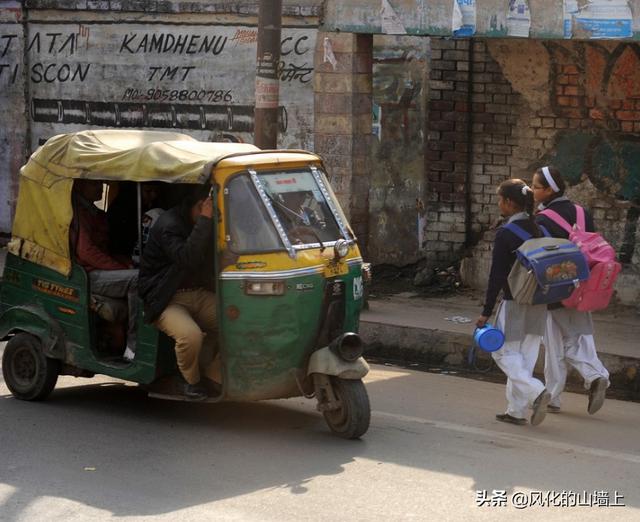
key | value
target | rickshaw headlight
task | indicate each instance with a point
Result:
(341, 248)
(264, 288)
(367, 275)
(348, 346)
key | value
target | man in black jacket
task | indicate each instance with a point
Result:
(177, 282)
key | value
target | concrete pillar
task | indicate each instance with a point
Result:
(342, 120)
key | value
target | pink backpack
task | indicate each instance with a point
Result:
(596, 292)
(594, 247)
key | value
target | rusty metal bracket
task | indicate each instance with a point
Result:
(327, 400)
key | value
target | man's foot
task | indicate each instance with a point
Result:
(540, 407)
(194, 392)
(505, 417)
(553, 409)
(597, 393)
(129, 354)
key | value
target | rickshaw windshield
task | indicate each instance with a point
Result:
(250, 229)
(301, 207)
(302, 214)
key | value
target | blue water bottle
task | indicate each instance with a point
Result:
(488, 338)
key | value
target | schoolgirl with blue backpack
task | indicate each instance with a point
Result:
(568, 339)
(522, 323)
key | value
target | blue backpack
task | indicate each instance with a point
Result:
(548, 269)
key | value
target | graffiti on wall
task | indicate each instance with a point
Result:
(197, 78)
(597, 86)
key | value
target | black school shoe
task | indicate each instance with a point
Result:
(553, 409)
(597, 393)
(505, 417)
(540, 407)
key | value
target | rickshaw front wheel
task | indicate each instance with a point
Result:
(28, 373)
(351, 419)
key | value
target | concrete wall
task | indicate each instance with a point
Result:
(342, 87)
(510, 106)
(396, 195)
(165, 65)
(13, 131)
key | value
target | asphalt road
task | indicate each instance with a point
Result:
(100, 449)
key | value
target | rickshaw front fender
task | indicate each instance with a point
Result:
(326, 362)
(36, 321)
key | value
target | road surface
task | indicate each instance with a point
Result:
(99, 449)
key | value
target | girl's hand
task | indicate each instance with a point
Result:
(481, 321)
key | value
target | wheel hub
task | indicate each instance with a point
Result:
(24, 366)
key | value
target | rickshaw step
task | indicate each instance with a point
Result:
(182, 398)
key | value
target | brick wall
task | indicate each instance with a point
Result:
(470, 143)
(513, 105)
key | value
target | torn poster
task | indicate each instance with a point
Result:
(569, 10)
(390, 21)
(518, 18)
(328, 53)
(599, 19)
(463, 19)
(376, 123)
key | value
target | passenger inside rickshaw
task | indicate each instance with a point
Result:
(122, 214)
(105, 242)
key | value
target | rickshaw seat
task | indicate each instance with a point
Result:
(109, 308)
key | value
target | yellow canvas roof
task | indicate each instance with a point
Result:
(132, 155)
(44, 211)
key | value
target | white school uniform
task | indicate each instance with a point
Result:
(517, 359)
(569, 342)
(523, 326)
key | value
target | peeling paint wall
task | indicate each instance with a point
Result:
(13, 131)
(191, 71)
(396, 196)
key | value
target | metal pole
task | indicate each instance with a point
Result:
(267, 81)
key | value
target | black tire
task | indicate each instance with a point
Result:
(351, 419)
(28, 373)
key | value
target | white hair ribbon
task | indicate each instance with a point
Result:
(550, 180)
(524, 190)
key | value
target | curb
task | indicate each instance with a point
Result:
(441, 347)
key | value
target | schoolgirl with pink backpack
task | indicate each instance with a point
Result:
(569, 339)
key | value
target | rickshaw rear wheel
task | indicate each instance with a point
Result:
(351, 419)
(29, 374)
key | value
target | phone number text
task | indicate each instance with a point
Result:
(177, 95)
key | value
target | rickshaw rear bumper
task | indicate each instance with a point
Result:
(324, 361)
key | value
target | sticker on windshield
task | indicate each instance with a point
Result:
(358, 288)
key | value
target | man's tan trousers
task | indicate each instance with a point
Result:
(188, 318)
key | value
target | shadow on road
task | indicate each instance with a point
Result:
(110, 447)
(152, 457)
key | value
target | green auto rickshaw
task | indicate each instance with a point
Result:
(290, 277)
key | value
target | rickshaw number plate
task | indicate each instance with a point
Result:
(336, 269)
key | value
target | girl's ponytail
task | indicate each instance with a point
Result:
(521, 194)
